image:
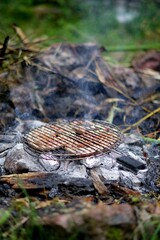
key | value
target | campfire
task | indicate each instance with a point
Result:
(61, 128)
(75, 149)
(79, 133)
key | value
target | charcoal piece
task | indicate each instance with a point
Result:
(131, 163)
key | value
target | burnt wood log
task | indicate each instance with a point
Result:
(41, 180)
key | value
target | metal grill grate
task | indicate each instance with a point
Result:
(73, 140)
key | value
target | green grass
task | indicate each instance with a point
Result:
(22, 221)
(149, 230)
(81, 21)
(77, 21)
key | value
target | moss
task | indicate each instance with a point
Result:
(115, 233)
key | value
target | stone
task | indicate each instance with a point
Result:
(92, 162)
(129, 179)
(75, 170)
(2, 160)
(7, 142)
(109, 161)
(109, 176)
(49, 164)
(19, 161)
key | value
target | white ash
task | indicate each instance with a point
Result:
(107, 161)
(153, 153)
(109, 176)
(15, 159)
(2, 160)
(49, 162)
(76, 170)
(141, 175)
(4, 148)
(110, 161)
(6, 145)
(47, 156)
(27, 125)
(7, 138)
(129, 179)
(126, 147)
(132, 139)
(18, 160)
(92, 162)
(152, 176)
(136, 157)
(135, 152)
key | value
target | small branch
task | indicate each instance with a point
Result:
(98, 184)
(3, 50)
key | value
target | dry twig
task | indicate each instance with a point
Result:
(142, 119)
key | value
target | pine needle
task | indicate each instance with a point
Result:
(142, 119)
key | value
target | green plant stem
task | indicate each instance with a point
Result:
(131, 48)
